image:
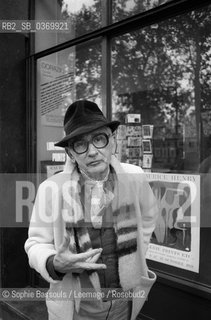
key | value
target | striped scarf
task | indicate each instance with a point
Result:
(125, 226)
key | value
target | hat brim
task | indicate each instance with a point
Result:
(113, 125)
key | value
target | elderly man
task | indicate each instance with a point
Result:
(91, 225)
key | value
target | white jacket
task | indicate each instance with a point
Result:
(46, 234)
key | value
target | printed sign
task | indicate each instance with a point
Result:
(56, 84)
(175, 240)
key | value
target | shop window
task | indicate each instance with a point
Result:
(162, 72)
(161, 94)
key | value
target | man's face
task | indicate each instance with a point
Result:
(95, 161)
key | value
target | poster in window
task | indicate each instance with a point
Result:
(133, 118)
(147, 161)
(133, 131)
(147, 131)
(134, 141)
(147, 146)
(56, 86)
(176, 238)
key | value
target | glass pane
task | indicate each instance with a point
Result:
(74, 73)
(161, 83)
(77, 17)
(125, 8)
(162, 72)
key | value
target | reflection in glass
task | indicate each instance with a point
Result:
(125, 8)
(88, 71)
(83, 16)
(162, 72)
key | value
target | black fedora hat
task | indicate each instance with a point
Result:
(81, 117)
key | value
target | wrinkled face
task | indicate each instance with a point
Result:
(93, 151)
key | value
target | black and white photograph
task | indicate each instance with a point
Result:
(105, 166)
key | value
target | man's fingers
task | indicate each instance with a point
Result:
(90, 266)
(86, 255)
(94, 258)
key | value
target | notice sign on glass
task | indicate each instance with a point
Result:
(176, 238)
(56, 84)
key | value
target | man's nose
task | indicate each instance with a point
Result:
(92, 151)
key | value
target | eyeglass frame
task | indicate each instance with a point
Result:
(71, 144)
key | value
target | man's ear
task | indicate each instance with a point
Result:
(70, 154)
(114, 143)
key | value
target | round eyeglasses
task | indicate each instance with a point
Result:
(99, 141)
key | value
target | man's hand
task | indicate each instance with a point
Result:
(65, 261)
